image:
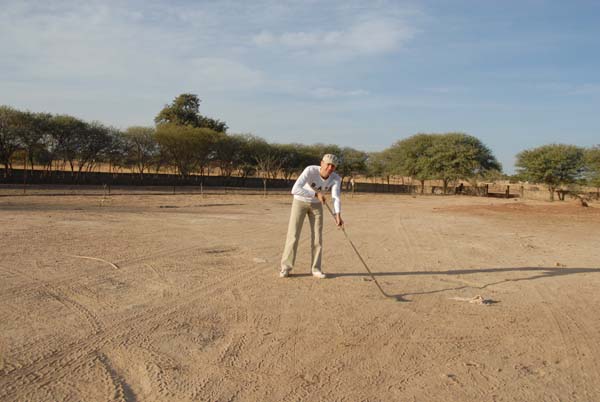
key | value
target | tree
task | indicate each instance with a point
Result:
(267, 159)
(553, 165)
(214, 124)
(246, 164)
(592, 165)
(141, 147)
(65, 133)
(33, 133)
(294, 158)
(353, 162)
(456, 156)
(185, 111)
(447, 157)
(268, 163)
(228, 153)
(412, 157)
(493, 175)
(377, 164)
(9, 138)
(188, 148)
(116, 152)
(92, 143)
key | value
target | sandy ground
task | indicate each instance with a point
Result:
(156, 298)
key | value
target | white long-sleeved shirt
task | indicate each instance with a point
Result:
(310, 181)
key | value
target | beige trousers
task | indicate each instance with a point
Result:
(300, 209)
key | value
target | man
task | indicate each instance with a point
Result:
(308, 200)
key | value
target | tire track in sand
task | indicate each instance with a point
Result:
(57, 294)
(69, 357)
(578, 344)
(125, 332)
(122, 392)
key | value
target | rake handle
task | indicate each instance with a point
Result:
(358, 254)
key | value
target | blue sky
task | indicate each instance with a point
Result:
(364, 74)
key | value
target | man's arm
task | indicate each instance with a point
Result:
(337, 202)
(338, 216)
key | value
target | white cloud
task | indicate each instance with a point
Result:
(222, 74)
(264, 38)
(378, 36)
(99, 58)
(373, 36)
(336, 93)
(58, 43)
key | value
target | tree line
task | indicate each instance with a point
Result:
(182, 140)
(190, 143)
(456, 156)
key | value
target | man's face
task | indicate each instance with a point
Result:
(326, 169)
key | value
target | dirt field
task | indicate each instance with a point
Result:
(167, 298)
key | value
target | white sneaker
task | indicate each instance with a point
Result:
(284, 273)
(319, 274)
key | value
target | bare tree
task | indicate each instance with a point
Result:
(141, 148)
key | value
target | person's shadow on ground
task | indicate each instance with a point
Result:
(538, 273)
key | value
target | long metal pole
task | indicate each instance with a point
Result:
(397, 298)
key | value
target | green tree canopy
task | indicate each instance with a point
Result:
(185, 110)
(93, 143)
(65, 133)
(456, 156)
(592, 164)
(448, 157)
(187, 147)
(553, 165)
(228, 153)
(245, 161)
(141, 147)
(411, 157)
(353, 162)
(10, 120)
(377, 164)
(33, 133)
(267, 158)
(294, 158)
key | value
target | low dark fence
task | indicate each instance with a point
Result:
(131, 179)
(384, 188)
(39, 177)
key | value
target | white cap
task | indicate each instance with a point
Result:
(331, 158)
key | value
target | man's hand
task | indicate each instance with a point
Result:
(339, 220)
(321, 197)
